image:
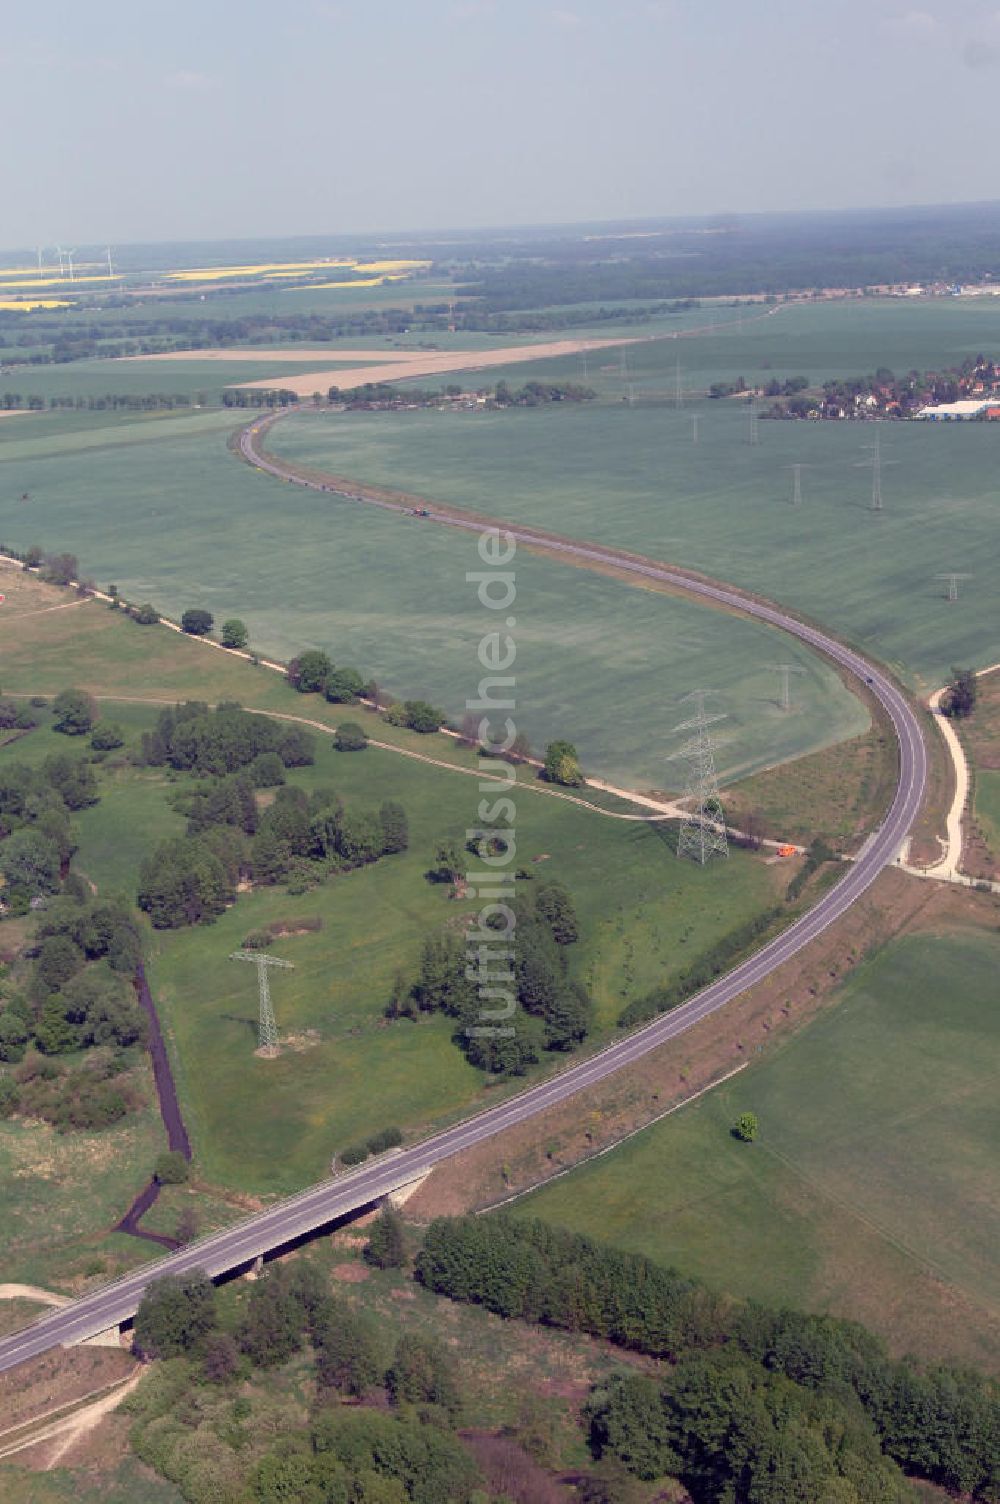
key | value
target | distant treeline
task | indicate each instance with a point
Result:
(108, 401)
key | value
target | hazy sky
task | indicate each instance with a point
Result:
(217, 118)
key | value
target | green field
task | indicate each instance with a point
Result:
(160, 507)
(988, 806)
(643, 916)
(873, 1189)
(272, 1125)
(632, 476)
(61, 1194)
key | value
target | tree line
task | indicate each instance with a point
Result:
(757, 1404)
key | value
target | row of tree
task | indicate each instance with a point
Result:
(758, 1405)
(107, 402)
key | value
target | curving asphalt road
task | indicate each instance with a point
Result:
(287, 1220)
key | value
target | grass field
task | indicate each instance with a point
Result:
(873, 1189)
(632, 476)
(988, 806)
(271, 1125)
(164, 511)
(643, 915)
(61, 1194)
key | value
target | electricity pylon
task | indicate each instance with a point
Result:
(876, 463)
(267, 1029)
(702, 833)
(753, 432)
(797, 484)
(786, 670)
(952, 576)
(694, 428)
(679, 387)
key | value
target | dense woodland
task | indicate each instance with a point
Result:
(742, 1404)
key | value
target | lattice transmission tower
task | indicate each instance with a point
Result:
(702, 833)
(753, 424)
(952, 576)
(267, 1028)
(786, 670)
(797, 470)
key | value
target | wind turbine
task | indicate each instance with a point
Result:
(69, 258)
(111, 270)
(60, 253)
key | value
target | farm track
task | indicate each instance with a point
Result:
(330, 1200)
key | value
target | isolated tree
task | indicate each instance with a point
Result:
(171, 1168)
(60, 569)
(562, 765)
(234, 633)
(145, 615)
(107, 735)
(175, 1315)
(386, 1242)
(746, 1127)
(350, 737)
(395, 827)
(959, 699)
(554, 905)
(196, 622)
(309, 672)
(73, 711)
(448, 863)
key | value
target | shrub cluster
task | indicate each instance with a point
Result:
(406, 1452)
(376, 1143)
(701, 972)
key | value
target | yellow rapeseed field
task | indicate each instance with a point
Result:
(27, 284)
(27, 304)
(294, 269)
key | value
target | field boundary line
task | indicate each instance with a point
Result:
(492, 1206)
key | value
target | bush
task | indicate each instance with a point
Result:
(234, 633)
(422, 717)
(106, 736)
(171, 1168)
(377, 1143)
(196, 622)
(343, 686)
(74, 712)
(145, 615)
(562, 765)
(350, 737)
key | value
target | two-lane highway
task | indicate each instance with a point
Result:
(334, 1198)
